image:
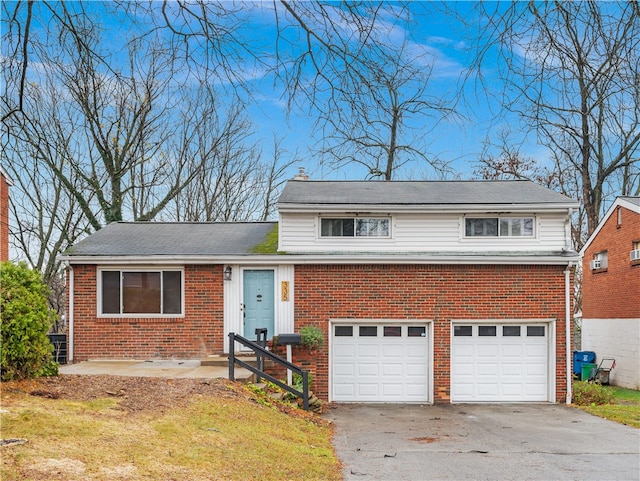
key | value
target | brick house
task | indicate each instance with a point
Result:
(5, 183)
(611, 291)
(428, 292)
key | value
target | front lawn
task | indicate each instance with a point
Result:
(177, 430)
(624, 407)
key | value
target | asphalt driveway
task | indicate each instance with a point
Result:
(482, 442)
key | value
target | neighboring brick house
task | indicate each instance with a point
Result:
(5, 183)
(611, 291)
(426, 291)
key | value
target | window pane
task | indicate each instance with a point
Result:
(343, 331)
(368, 331)
(460, 331)
(141, 292)
(481, 227)
(510, 227)
(535, 331)
(372, 227)
(415, 331)
(336, 227)
(172, 292)
(516, 227)
(392, 331)
(486, 330)
(510, 331)
(111, 292)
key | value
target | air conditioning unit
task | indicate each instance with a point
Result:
(595, 264)
(635, 255)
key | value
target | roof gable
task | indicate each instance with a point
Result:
(631, 203)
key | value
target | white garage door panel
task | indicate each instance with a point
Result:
(391, 368)
(499, 367)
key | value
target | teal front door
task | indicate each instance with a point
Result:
(258, 299)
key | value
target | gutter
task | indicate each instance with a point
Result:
(333, 259)
(70, 313)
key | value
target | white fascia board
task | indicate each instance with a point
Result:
(439, 208)
(326, 259)
(617, 203)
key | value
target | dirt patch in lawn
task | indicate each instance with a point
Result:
(135, 394)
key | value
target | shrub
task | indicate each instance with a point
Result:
(587, 394)
(26, 318)
(312, 337)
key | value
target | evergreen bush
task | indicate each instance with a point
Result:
(26, 318)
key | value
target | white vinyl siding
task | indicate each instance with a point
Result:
(421, 233)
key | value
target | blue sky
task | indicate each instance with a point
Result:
(446, 43)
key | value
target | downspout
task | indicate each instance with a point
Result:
(567, 309)
(567, 317)
(70, 286)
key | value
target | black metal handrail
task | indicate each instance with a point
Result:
(262, 353)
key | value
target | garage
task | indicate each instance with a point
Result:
(500, 362)
(379, 362)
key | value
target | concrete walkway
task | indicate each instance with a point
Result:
(154, 368)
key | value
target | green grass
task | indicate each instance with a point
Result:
(624, 409)
(210, 438)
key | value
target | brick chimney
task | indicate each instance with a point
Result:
(5, 183)
(301, 175)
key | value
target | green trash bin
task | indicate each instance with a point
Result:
(587, 367)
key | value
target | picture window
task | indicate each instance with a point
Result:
(141, 292)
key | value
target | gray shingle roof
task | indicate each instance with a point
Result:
(173, 239)
(632, 200)
(419, 193)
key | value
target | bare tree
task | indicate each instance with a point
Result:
(571, 71)
(385, 113)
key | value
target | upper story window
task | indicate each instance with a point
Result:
(137, 293)
(635, 253)
(354, 227)
(498, 227)
(600, 260)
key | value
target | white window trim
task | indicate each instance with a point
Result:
(600, 261)
(534, 218)
(102, 315)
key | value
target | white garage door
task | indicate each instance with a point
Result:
(379, 363)
(499, 362)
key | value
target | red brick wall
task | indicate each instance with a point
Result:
(441, 293)
(4, 219)
(607, 293)
(198, 333)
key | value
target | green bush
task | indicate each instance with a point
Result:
(591, 393)
(26, 318)
(312, 337)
